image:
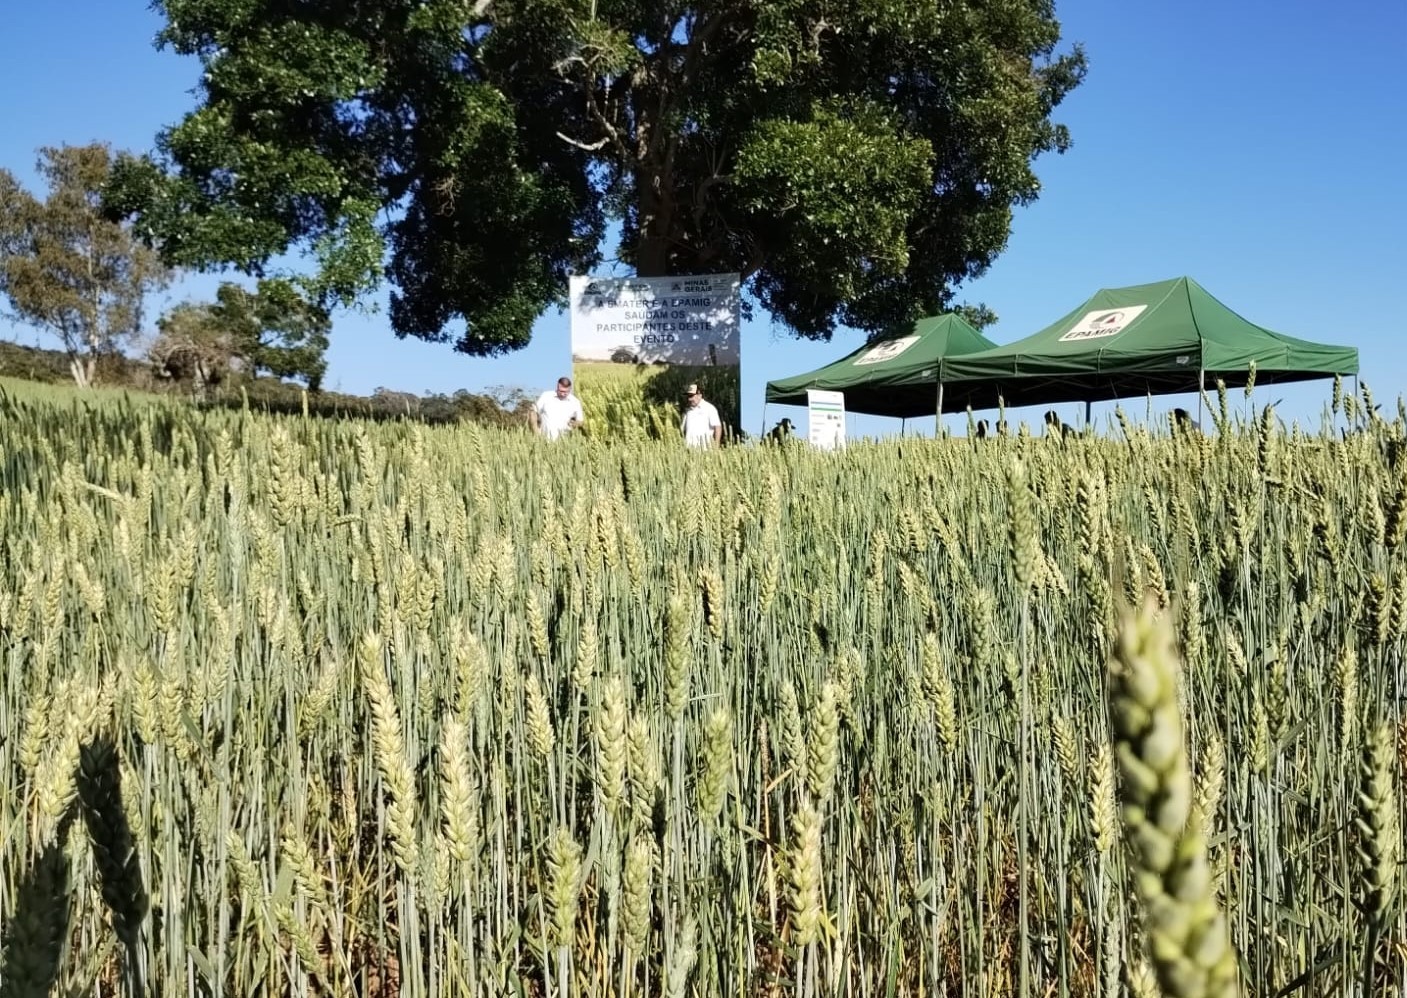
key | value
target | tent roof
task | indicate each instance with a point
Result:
(1147, 339)
(896, 376)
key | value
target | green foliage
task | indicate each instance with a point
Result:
(191, 346)
(273, 330)
(853, 164)
(977, 316)
(47, 366)
(837, 192)
(66, 269)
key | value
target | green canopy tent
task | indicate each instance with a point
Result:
(896, 376)
(1156, 339)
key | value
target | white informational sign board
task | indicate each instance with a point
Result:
(826, 412)
(656, 320)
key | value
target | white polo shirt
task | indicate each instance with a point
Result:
(698, 424)
(554, 415)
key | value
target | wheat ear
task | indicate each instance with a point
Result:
(1187, 935)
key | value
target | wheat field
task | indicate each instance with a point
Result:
(306, 707)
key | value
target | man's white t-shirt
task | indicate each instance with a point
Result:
(554, 415)
(699, 422)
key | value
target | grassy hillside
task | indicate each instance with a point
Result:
(60, 394)
(46, 374)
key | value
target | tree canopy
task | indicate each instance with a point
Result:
(854, 162)
(66, 269)
(273, 329)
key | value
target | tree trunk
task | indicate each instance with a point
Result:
(652, 258)
(656, 201)
(82, 369)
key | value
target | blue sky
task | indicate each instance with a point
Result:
(1257, 147)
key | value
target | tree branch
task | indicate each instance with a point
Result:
(754, 262)
(701, 205)
(587, 146)
(671, 95)
(593, 109)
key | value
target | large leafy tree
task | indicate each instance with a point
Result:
(67, 269)
(855, 161)
(191, 346)
(273, 329)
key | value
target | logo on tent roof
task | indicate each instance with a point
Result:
(1104, 322)
(887, 350)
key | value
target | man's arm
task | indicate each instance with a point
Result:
(532, 417)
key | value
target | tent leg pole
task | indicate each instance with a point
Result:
(1089, 407)
(1201, 392)
(938, 415)
(763, 431)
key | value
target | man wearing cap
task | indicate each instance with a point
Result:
(556, 412)
(701, 425)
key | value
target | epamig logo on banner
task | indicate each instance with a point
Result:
(637, 342)
(1103, 323)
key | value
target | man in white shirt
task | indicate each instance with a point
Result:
(556, 412)
(701, 425)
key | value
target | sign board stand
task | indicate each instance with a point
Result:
(826, 419)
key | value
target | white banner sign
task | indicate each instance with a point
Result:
(656, 320)
(826, 419)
